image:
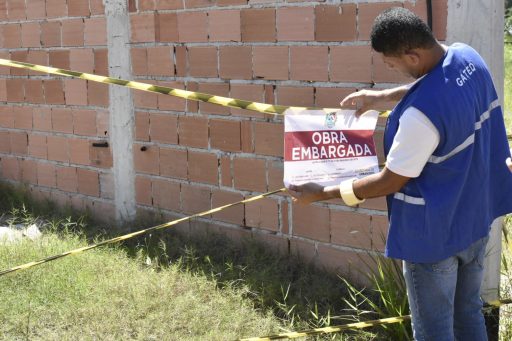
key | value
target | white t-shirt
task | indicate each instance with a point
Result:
(414, 143)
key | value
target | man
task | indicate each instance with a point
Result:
(445, 176)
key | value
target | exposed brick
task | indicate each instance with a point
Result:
(46, 175)
(202, 61)
(166, 194)
(19, 143)
(163, 128)
(79, 151)
(169, 4)
(78, 8)
(142, 126)
(20, 56)
(22, 117)
(11, 168)
(250, 174)
(54, 91)
(375, 204)
(88, 182)
(180, 56)
(36, 9)
(296, 24)
(16, 9)
(226, 178)
(294, 96)
(11, 36)
(97, 7)
(225, 135)
(258, 25)
(101, 62)
(380, 227)
(235, 214)
(97, 94)
(95, 31)
(193, 131)
(30, 35)
(367, 14)
(59, 59)
(62, 120)
(146, 159)
(350, 265)
(173, 163)
(248, 92)
(3, 90)
(34, 91)
(67, 179)
(15, 90)
(143, 190)
(142, 99)
(193, 26)
(143, 27)
(37, 57)
(167, 27)
(269, 138)
(217, 89)
(160, 61)
(42, 119)
(50, 33)
(56, 8)
(73, 32)
(74, 90)
(195, 199)
(270, 62)
(439, 18)
(247, 136)
(146, 5)
(224, 25)
(351, 64)
(58, 149)
(419, 7)
(203, 167)
(84, 122)
(139, 61)
(168, 102)
(29, 171)
(263, 214)
(309, 63)
(82, 60)
(235, 62)
(5, 142)
(311, 221)
(275, 171)
(3, 9)
(37, 146)
(231, 2)
(331, 97)
(351, 229)
(335, 23)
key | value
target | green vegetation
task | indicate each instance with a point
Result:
(164, 286)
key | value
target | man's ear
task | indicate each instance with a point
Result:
(412, 57)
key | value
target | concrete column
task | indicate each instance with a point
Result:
(479, 23)
(121, 108)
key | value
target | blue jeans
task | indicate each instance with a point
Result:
(444, 297)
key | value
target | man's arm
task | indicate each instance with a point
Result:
(365, 100)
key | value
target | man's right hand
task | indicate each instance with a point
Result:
(365, 100)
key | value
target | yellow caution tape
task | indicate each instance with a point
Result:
(351, 326)
(192, 95)
(135, 234)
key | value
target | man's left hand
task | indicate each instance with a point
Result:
(310, 192)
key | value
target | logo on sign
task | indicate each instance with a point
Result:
(330, 119)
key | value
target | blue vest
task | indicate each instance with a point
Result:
(465, 184)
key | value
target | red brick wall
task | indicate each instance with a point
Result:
(191, 156)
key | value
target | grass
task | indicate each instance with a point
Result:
(164, 286)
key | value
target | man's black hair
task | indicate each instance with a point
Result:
(397, 30)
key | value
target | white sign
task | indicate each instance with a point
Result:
(326, 147)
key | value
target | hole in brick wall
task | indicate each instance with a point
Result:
(143, 148)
